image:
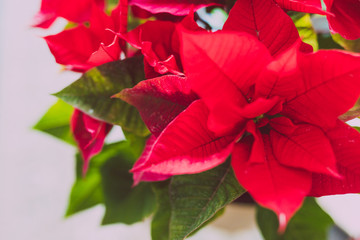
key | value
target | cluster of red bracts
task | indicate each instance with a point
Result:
(252, 91)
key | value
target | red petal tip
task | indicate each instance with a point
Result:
(282, 222)
(137, 179)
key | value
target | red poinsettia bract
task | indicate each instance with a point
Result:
(346, 19)
(266, 21)
(160, 45)
(82, 48)
(276, 116)
(343, 15)
(89, 134)
(77, 11)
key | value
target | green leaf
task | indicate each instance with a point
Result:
(356, 128)
(124, 203)
(56, 122)
(326, 42)
(306, 31)
(350, 45)
(111, 4)
(93, 91)
(86, 193)
(213, 218)
(161, 219)
(87, 190)
(197, 198)
(310, 223)
(137, 143)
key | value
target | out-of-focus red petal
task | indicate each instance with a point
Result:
(271, 184)
(77, 11)
(73, 47)
(174, 7)
(159, 100)
(89, 134)
(346, 18)
(345, 142)
(100, 22)
(106, 53)
(82, 48)
(186, 146)
(308, 6)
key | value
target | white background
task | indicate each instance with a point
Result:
(37, 171)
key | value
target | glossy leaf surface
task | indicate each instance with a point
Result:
(93, 91)
(196, 198)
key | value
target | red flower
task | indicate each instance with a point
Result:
(277, 117)
(82, 48)
(75, 11)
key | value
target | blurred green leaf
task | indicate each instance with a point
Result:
(124, 203)
(161, 220)
(111, 4)
(87, 190)
(326, 42)
(197, 198)
(350, 45)
(310, 223)
(86, 193)
(92, 93)
(56, 122)
(137, 143)
(306, 31)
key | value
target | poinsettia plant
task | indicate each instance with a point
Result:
(256, 107)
